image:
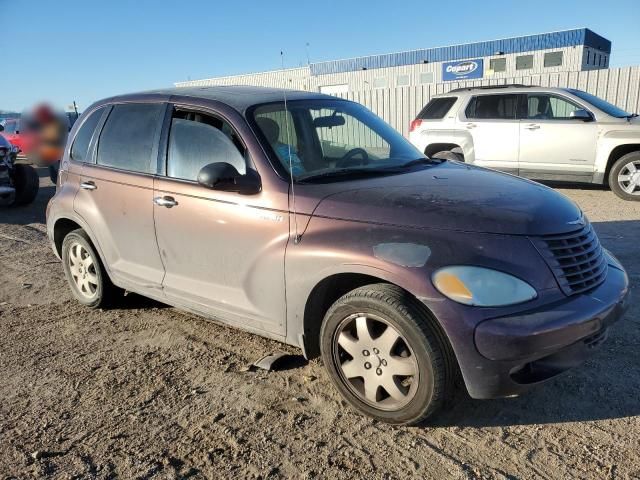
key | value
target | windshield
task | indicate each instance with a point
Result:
(331, 139)
(600, 104)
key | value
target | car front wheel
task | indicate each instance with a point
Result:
(386, 356)
(624, 177)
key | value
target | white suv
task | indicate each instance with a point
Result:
(535, 132)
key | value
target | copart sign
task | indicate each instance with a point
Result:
(462, 70)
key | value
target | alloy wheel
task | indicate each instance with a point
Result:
(629, 178)
(375, 361)
(83, 270)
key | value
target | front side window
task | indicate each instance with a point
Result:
(10, 127)
(599, 103)
(437, 108)
(498, 64)
(196, 140)
(130, 136)
(493, 107)
(322, 137)
(549, 107)
(80, 147)
(524, 62)
(553, 59)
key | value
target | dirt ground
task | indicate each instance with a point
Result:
(145, 391)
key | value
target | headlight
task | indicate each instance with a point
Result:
(481, 287)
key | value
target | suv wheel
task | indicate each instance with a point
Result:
(449, 155)
(624, 177)
(84, 271)
(385, 356)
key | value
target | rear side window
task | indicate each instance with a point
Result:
(437, 108)
(495, 107)
(80, 147)
(130, 137)
(196, 140)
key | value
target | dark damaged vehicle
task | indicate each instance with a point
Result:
(307, 219)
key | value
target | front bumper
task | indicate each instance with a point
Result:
(515, 352)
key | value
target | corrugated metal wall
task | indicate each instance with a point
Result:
(399, 105)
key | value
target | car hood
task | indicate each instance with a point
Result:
(452, 196)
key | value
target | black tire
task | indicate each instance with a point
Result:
(622, 166)
(54, 168)
(26, 182)
(449, 155)
(104, 289)
(436, 365)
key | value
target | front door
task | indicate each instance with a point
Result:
(116, 195)
(492, 123)
(553, 145)
(223, 252)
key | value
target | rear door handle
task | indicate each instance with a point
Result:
(471, 125)
(88, 185)
(532, 126)
(165, 201)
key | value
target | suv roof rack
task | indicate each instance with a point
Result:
(490, 87)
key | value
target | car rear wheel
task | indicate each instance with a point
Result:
(385, 355)
(624, 177)
(26, 182)
(85, 273)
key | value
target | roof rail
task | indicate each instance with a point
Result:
(490, 87)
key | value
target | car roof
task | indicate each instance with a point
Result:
(239, 97)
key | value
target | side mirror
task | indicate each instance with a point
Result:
(224, 176)
(581, 114)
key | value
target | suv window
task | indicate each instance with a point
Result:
(549, 107)
(196, 140)
(437, 108)
(80, 147)
(500, 107)
(130, 136)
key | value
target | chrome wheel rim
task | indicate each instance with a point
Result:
(82, 268)
(375, 361)
(629, 178)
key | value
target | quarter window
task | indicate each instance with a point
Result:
(80, 147)
(524, 62)
(437, 108)
(498, 64)
(548, 107)
(196, 140)
(130, 137)
(495, 107)
(553, 59)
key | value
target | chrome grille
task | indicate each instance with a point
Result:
(576, 259)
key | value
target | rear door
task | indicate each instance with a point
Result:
(223, 251)
(116, 195)
(553, 145)
(493, 124)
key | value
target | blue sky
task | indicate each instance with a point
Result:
(86, 50)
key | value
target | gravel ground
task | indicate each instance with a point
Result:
(145, 391)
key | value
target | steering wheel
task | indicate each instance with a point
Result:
(347, 159)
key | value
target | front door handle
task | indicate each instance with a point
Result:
(88, 185)
(532, 126)
(471, 125)
(165, 201)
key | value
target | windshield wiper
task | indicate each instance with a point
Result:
(346, 172)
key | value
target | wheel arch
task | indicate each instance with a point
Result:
(331, 288)
(618, 152)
